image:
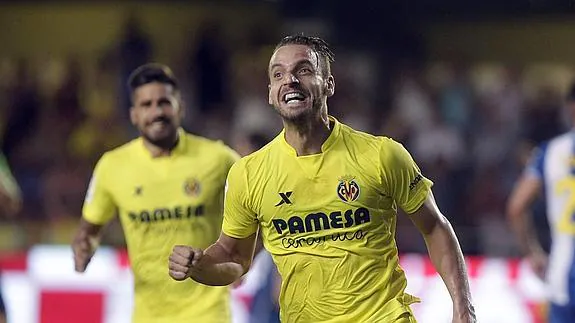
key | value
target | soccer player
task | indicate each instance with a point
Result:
(10, 204)
(552, 170)
(325, 197)
(168, 188)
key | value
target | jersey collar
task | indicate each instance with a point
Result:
(330, 141)
(178, 150)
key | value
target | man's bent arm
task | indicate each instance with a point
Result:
(521, 199)
(446, 255)
(225, 261)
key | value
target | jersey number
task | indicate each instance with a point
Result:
(566, 223)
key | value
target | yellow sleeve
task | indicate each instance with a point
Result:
(402, 178)
(240, 219)
(99, 206)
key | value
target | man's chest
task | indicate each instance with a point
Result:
(333, 193)
(342, 204)
(175, 185)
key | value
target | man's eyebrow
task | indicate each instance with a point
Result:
(275, 65)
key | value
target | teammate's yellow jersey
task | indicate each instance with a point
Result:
(329, 222)
(162, 202)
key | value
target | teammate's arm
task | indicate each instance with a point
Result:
(221, 264)
(446, 256)
(522, 197)
(98, 209)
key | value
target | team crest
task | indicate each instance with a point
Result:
(347, 189)
(192, 187)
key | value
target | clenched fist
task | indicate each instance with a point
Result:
(182, 260)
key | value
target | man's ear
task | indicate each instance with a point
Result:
(133, 116)
(182, 108)
(330, 85)
(270, 102)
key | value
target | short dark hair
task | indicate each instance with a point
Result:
(149, 73)
(318, 45)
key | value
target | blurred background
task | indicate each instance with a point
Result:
(469, 88)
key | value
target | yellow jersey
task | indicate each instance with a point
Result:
(329, 222)
(161, 202)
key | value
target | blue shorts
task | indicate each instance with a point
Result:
(561, 313)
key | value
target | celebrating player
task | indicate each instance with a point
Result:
(168, 188)
(325, 197)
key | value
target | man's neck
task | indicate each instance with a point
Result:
(308, 136)
(161, 149)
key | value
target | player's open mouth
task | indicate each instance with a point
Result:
(160, 121)
(293, 97)
(159, 124)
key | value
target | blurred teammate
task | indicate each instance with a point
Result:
(168, 188)
(325, 197)
(10, 204)
(552, 170)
